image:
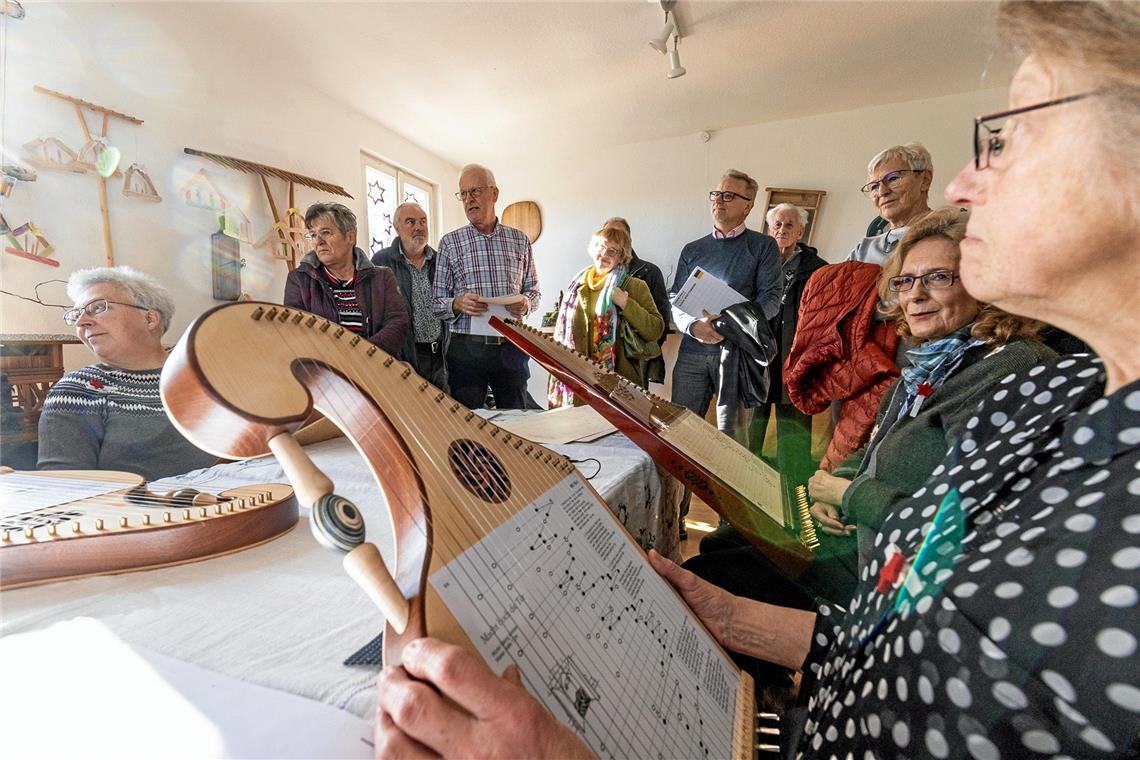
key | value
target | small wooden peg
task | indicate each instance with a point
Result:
(29, 532)
(166, 517)
(99, 523)
(51, 530)
(6, 537)
(75, 527)
(146, 519)
(365, 565)
(123, 522)
(186, 514)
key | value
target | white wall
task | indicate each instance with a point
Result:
(661, 186)
(189, 93)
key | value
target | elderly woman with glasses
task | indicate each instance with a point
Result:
(598, 309)
(108, 415)
(1000, 618)
(898, 184)
(337, 281)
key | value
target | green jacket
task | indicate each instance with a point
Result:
(639, 311)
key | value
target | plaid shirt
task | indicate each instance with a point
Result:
(499, 264)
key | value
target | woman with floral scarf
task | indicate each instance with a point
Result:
(596, 303)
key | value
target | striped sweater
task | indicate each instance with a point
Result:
(103, 418)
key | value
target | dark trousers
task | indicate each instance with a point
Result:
(431, 365)
(477, 361)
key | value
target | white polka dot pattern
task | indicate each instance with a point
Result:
(1023, 642)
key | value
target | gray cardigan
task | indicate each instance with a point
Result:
(901, 454)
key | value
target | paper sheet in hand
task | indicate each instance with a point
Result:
(558, 426)
(704, 291)
(77, 690)
(496, 307)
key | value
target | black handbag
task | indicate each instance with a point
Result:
(635, 347)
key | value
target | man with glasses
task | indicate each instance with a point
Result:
(482, 260)
(898, 184)
(108, 415)
(336, 281)
(749, 262)
(413, 261)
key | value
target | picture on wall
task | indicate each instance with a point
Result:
(809, 200)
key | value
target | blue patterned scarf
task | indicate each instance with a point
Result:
(934, 361)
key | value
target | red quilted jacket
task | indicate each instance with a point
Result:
(841, 354)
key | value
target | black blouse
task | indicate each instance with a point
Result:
(1011, 629)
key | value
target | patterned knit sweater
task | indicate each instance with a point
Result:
(103, 418)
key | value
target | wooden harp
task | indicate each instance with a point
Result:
(500, 545)
(739, 486)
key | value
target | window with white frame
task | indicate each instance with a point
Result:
(385, 188)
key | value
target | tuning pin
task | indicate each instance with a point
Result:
(75, 527)
(99, 523)
(186, 514)
(166, 517)
(29, 532)
(52, 530)
(202, 512)
(123, 522)
(146, 519)
(7, 536)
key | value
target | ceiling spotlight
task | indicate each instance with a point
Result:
(661, 43)
(675, 68)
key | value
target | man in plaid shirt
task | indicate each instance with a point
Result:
(484, 259)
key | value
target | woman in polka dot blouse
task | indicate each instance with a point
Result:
(1000, 619)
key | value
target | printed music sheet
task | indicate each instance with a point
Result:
(559, 426)
(496, 307)
(598, 637)
(705, 291)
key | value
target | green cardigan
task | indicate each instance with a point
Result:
(639, 311)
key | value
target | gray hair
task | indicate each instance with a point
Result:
(142, 289)
(396, 213)
(915, 154)
(770, 217)
(753, 185)
(487, 173)
(340, 214)
(619, 220)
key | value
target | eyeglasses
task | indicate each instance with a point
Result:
(726, 195)
(993, 141)
(324, 234)
(94, 309)
(612, 250)
(890, 179)
(475, 192)
(939, 279)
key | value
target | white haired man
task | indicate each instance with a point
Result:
(484, 259)
(414, 263)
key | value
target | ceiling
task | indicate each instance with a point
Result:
(481, 80)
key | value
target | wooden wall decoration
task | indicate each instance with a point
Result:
(52, 154)
(808, 200)
(26, 241)
(525, 216)
(56, 152)
(13, 174)
(137, 184)
(289, 241)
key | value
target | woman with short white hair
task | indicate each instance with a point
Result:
(108, 415)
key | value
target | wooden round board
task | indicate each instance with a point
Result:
(525, 216)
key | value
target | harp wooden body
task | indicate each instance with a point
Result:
(244, 373)
(740, 487)
(129, 529)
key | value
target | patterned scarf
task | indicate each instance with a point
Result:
(932, 362)
(603, 322)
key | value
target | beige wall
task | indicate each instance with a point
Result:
(189, 95)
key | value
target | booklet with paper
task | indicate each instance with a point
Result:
(496, 307)
(705, 291)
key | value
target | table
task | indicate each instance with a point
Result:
(284, 614)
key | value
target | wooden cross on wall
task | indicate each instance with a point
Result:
(108, 114)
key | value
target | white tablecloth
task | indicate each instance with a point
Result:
(284, 614)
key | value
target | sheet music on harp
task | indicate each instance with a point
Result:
(619, 659)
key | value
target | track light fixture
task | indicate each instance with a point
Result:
(661, 42)
(675, 68)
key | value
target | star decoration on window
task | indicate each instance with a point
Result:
(378, 198)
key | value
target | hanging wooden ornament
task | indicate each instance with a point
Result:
(137, 184)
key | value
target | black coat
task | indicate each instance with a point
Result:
(393, 258)
(783, 325)
(650, 274)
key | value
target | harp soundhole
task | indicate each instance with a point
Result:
(479, 471)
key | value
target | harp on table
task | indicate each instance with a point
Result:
(59, 525)
(500, 545)
(739, 486)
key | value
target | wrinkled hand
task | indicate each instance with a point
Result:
(713, 605)
(828, 488)
(519, 310)
(703, 330)
(471, 304)
(829, 521)
(621, 298)
(445, 702)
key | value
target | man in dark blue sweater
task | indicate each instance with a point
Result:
(749, 262)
